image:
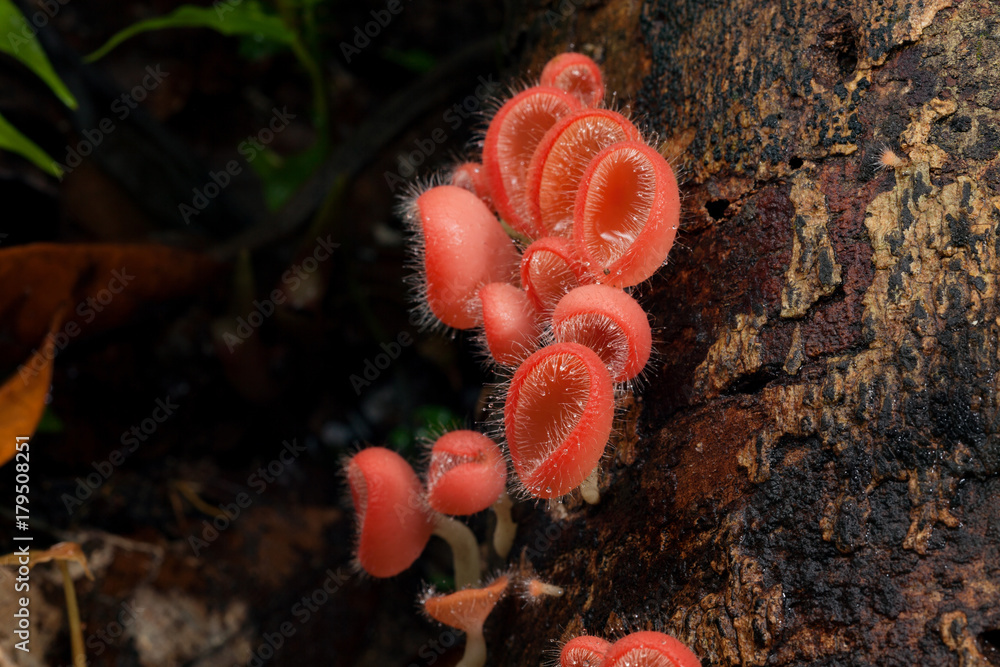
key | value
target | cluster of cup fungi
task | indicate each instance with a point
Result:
(535, 246)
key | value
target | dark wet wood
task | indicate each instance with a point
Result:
(813, 476)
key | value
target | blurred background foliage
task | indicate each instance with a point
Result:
(188, 91)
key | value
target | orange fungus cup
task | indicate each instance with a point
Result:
(649, 649)
(549, 269)
(576, 74)
(467, 610)
(464, 247)
(510, 142)
(583, 651)
(558, 417)
(394, 524)
(608, 321)
(561, 159)
(627, 213)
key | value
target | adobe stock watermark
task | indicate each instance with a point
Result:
(249, 148)
(565, 9)
(223, 7)
(432, 650)
(303, 611)
(455, 116)
(130, 439)
(372, 368)
(109, 635)
(542, 540)
(372, 29)
(31, 25)
(292, 278)
(259, 482)
(122, 107)
(88, 310)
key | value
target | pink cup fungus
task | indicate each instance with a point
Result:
(381, 482)
(583, 651)
(561, 159)
(549, 269)
(467, 610)
(627, 213)
(464, 247)
(576, 74)
(469, 176)
(608, 321)
(511, 140)
(395, 521)
(558, 417)
(510, 324)
(649, 649)
(468, 474)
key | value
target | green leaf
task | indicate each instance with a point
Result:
(282, 176)
(254, 48)
(244, 18)
(415, 60)
(426, 423)
(12, 140)
(18, 40)
(50, 423)
(433, 420)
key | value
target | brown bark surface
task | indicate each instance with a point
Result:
(809, 475)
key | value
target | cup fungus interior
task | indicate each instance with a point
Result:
(610, 322)
(583, 651)
(650, 649)
(576, 74)
(642, 657)
(558, 418)
(618, 202)
(469, 176)
(549, 277)
(510, 142)
(601, 334)
(562, 158)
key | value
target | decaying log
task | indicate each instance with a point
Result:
(809, 476)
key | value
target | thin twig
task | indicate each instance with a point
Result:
(73, 613)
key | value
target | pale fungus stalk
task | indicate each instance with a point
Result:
(464, 550)
(589, 487)
(505, 530)
(467, 474)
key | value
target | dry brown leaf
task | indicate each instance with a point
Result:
(22, 396)
(67, 551)
(100, 285)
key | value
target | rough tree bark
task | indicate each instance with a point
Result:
(809, 475)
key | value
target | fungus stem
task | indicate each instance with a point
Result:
(505, 530)
(475, 651)
(588, 488)
(464, 550)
